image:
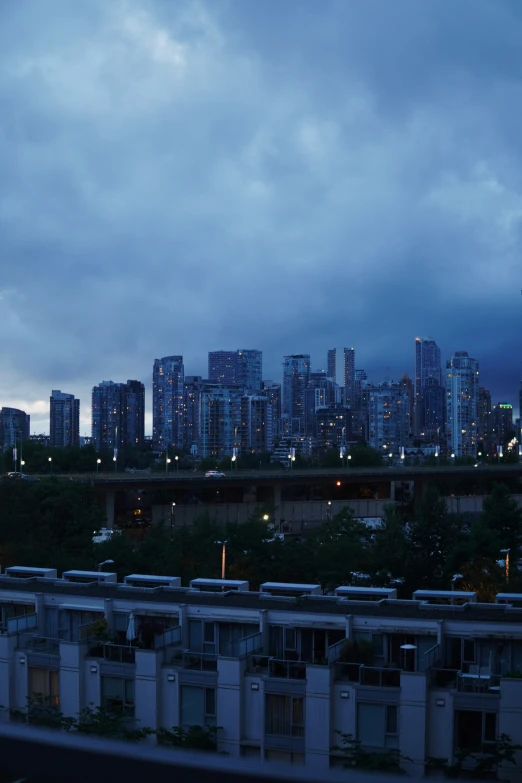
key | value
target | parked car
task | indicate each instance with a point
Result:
(214, 474)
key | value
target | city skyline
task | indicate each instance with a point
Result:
(359, 196)
(39, 411)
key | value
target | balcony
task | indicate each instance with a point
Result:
(196, 661)
(286, 670)
(116, 653)
(465, 682)
(373, 676)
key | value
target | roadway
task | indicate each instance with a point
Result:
(289, 477)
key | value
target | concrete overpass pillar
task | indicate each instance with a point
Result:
(392, 491)
(277, 503)
(110, 497)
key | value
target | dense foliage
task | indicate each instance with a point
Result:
(51, 522)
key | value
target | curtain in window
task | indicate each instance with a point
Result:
(278, 717)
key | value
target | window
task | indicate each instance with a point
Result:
(44, 687)
(475, 730)
(198, 706)
(284, 715)
(117, 696)
(378, 725)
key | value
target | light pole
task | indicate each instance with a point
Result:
(51, 465)
(173, 506)
(176, 460)
(115, 460)
(105, 562)
(223, 557)
(453, 458)
(454, 579)
(349, 457)
(98, 463)
(22, 463)
(167, 463)
(232, 460)
(506, 553)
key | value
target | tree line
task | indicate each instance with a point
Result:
(51, 524)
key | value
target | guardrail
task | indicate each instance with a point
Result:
(379, 677)
(39, 644)
(335, 651)
(431, 658)
(22, 623)
(288, 670)
(206, 662)
(250, 644)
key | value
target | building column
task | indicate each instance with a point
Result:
(110, 497)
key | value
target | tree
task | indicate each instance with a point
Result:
(390, 547)
(502, 515)
(363, 456)
(433, 535)
(339, 547)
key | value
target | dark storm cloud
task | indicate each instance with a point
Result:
(182, 177)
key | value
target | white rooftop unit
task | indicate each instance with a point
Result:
(89, 576)
(217, 585)
(366, 593)
(148, 580)
(515, 599)
(445, 596)
(289, 588)
(26, 572)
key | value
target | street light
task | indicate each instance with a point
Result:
(232, 460)
(349, 457)
(223, 557)
(506, 553)
(454, 578)
(98, 463)
(51, 464)
(114, 459)
(105, 562)
(176, 458)
(173, 506)
(167, 463)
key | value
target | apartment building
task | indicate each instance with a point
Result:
(280, 671)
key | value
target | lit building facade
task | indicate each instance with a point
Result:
(341, 367)
(256, 429)
(389, 417)
(15, 425)
(118, 415)
(168, 377)
(296, 377)
(462, 392)
(427, 369)
(219, 420)
(64, 419)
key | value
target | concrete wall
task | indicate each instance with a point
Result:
(318, 718)
(412, 721)
(295, 514)
(439, 741)
(71, 678)
(253, 709)
(146, 688)
(229, 704)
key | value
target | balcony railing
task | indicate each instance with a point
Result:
(205, 662)
(250, 644)
(22, 623)
(379, 677)
(431, 658)
(39, 644)
(335, 651)
(290, 670)
(118, 653)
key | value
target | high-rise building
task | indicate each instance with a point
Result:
(219, 420)
(64, 419)
(14, 426)
(433, 401)
(322, 392)
(484, 418)
(134, 414)
(462, 392)
(192, 388)
(341, 367)
(252, 369)
(225, 368)
(503, 427)
(360, 381)
(236, 368)
(256, 428)
(168, 377)
(389, 417)
(332, 426)
(296, 376)
(118, 415)
(408, 384)
(427, 366)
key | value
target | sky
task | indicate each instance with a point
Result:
(182, 176)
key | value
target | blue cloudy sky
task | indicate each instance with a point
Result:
(179, 177)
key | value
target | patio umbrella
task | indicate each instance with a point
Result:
(131, 629)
